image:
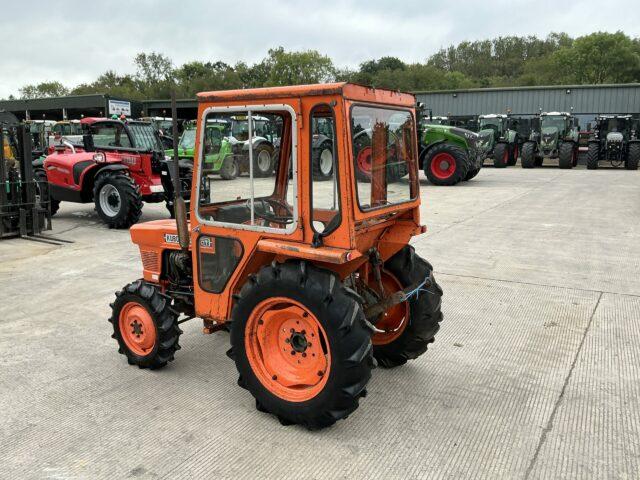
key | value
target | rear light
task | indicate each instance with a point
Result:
(99, 157)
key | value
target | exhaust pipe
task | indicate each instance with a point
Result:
(180, 209)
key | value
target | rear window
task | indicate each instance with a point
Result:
(384, 158)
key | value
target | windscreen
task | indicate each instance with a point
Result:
(144, 136)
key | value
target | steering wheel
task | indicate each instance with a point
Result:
(265, 213)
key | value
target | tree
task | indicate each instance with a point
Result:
(297, 68)
(43, 90)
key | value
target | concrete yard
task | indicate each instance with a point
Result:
(534, 374)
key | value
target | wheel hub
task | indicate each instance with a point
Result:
(444, 165)
(137, 328)
(298, 341)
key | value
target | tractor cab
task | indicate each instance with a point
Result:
(312, 274)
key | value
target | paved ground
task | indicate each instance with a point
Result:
(533, 375)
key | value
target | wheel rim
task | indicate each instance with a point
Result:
(443, 165)
(516, 152)
(326, 162)
(137, 329)
(264, 161)
(363, 160)
(110, 200)
(287, 349)
(394, 320)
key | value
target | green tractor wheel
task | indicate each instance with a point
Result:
(566, 155)
(501, 155)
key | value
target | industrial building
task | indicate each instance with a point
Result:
(586, 101)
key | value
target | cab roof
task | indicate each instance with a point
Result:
(351, 91)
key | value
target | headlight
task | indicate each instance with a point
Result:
(99, 157)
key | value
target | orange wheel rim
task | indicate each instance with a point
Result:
(287, 349)
(137, 328)
(394, 320)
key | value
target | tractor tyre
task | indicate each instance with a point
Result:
(446, 164)
(566, 153)
(593, 155)
(528, 158)
(514, 153)
(409, 338)
(323, 162)
(144, 325)
(263, 161)
(43, 193)
(501, 155)
(472, 173)
(117, 199)
(633, 157)
(230, 168)
(301, 344)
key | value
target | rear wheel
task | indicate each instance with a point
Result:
(501, 155)
(300, 344)
(263, 161)
(593, 155)
(633, 157)
(117, 199)
(144, 325)
(446, 164)
(566, 153)
(408, 328)
(528, 159)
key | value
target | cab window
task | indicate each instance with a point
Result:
(109, 135)
(240, 168)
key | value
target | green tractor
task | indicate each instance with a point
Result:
(614, 140)
(554, 135)
(226, 148)
(499, 139)
(448, 154)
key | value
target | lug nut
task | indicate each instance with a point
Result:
(320, 373)
(293, 352)
(304, 354)
(275, 377)
(260, 322)
(286, 340)
(292, 331)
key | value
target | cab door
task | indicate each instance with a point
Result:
(230, 216)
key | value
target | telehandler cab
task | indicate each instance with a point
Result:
(314, 279)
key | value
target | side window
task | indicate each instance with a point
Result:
(110, 135)
(325, 198)
(240, 168)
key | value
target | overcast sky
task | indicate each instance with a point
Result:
(74, 41)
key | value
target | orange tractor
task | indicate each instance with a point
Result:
(314, 279)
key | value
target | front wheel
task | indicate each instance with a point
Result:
(446, 164)
(117, 199)
(528, 158)
(230, 169)
(633, 157)
(409, 327)
(263, 161)
(301, 345)
(144, 325)
(566, 155)
(593, 155)
(323, 162)
(501, 155)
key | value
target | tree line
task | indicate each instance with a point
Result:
(558, 59)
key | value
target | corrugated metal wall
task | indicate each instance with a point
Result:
(528, 100)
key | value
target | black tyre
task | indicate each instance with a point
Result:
(425, 312)
(230, 169)
(117, 199)
(309, 317)
(501, 155)
(446, 164)
(472, 173)
(42, 190)
(323, 162)
(593, 155)
(528, 157)
(633, 157)
(566, 154)
(263, 161)
(144, 325)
